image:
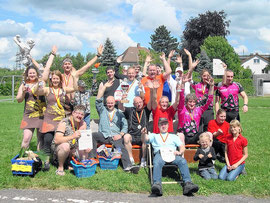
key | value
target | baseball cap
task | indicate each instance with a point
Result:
(162, 120)
(179, 69)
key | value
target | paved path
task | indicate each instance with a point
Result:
(87, 196)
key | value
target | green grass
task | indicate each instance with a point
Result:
(256, 183)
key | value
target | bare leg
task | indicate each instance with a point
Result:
(63, 151)
(128, 145)
(27, 136)
(40, 140)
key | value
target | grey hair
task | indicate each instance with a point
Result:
(66, 60)
(191, 96)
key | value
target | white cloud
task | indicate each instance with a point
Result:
(264, 34)
(150, 14)
(11, 28)
(241, 49)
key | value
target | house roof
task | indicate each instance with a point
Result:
(131, 55)
(246, 58)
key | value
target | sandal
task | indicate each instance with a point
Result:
(60, 173)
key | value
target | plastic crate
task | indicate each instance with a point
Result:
(110, 164)
(25, 167)
(84, 171)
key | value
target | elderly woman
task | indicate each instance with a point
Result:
(189, 115)
(220, 129)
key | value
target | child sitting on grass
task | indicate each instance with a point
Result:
(206, 154)
(236, 152)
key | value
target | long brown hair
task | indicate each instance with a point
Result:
(57, 73)
(25, 74)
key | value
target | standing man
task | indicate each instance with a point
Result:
(112, 127)
(228, 93)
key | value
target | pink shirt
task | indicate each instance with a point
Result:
(189, 121)
(229, 96)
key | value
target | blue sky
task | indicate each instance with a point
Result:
(81, 25)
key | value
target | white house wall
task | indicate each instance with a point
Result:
(256, 68)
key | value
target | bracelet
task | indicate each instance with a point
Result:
(53, 53)
(245, 105)
(98, 55)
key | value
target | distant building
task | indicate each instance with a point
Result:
(255, 62)
(131, 55)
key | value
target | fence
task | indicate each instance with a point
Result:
(9, 86)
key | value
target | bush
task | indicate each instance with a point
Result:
(6, 89)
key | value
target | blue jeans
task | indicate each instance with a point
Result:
(208, 173)
(225, 174)
(179, 161)
(87, 120)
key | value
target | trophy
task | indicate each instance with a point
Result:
(124, 87)
(139, 78)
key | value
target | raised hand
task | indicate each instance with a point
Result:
(179, 59)
(100, 50)
(185, 78)
(171, 53)
(54, 49)
(162, 56)
(187, 52)
(119, 59)
(148, 59)
(224, 65)
(195, 63)
(108, 84)
(210, 81)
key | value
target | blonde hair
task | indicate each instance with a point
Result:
(204, 135)
(235, 123)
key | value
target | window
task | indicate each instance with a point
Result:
(256, 61)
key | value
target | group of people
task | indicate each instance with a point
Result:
(140, 114)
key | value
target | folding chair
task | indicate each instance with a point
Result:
(149, 157)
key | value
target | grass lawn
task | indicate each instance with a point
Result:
(256, 183)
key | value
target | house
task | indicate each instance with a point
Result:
(131, 55)
(255, 62)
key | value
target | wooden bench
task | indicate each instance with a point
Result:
(190, 152)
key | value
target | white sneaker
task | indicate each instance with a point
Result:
(143, 163)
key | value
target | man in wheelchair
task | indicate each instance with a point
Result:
(165, 151)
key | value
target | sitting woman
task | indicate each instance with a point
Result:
(65, 143)
(54, 113)
(236, 152)
(220, 129)
(189, 115)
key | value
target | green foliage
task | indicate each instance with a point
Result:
(162, 41)
(109, 54)
(205, 63)
(218, 47)
(199, 28)
(6, 89)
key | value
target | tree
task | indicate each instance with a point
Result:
(162, 41)
(218, 47)
(205, 63)
(199, 28)
(109, 54)
(78, 61)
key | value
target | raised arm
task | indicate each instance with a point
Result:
(177, 96)
(217, 103)
(118, 75)
(82, 70)
(103, 88)
(47, 68)
(191, 65)
(167, 66)
(170, 56)
(224, 76)
(147, 62)
(245, 98)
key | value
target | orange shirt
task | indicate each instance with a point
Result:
(161, 81)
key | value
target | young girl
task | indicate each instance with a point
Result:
(236, 152)
(206, 154)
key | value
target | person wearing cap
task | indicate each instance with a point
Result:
(67, 79)
(112, 127)
(177, 78)
(168, 148)
(82, 97)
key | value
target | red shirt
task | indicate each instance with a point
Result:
(213, 126)
(235, 148)
(158, 113)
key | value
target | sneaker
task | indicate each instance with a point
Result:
(46, 166)
(132, 169)
(190, 188)
(143, 163)
(156, 189)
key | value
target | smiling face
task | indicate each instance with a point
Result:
(78, 115)
(55, 80)
(191, 104)
(131, 74)
(110, 103)
(229, 77)
(205, 142)
(138, 103)
(205, 76)
(67, 66)
(152, 71)
(163, 127)
(159, 70)
(32, 74)
(221, 118)
(164, 103)
(110, 74)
